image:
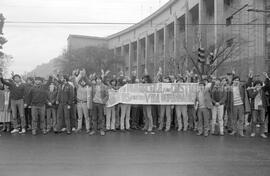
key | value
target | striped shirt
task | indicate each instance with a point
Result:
(237, 100)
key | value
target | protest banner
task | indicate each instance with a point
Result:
(154, 94)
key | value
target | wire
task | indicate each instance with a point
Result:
(120, 23)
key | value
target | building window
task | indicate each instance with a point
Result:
(229, 42)
(228, 2)
(229, 21)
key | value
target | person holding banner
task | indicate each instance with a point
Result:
(181, 111)
(203, 104)
(125, 112)
(110, 111)
(165, 109)
(147, 109)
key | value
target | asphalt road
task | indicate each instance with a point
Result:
(133, 154)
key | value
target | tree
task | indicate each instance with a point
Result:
(225, 49)
(93, 59)
(5, 61)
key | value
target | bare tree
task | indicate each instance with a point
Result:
(225, 49)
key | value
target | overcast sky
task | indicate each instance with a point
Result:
(34, 44)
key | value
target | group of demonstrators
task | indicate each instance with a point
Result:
(77, 102)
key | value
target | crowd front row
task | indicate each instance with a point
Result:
(60, 104)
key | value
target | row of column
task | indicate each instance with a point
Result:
(150, 45)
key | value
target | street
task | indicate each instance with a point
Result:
(133, 153)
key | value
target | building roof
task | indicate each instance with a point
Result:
(142, 22)
(86, 37)
(147, 19)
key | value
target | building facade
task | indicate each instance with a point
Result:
(80, 41)
(162, 39)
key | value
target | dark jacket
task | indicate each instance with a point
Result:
(103, 93)
(218, 95)
(38, 96)
(65, 94)
(253, 93)
(16, 92)
(27, 89)
(52, 98)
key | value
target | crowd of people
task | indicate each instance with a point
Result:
(76, 103)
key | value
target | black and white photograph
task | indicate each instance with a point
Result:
(134, 87)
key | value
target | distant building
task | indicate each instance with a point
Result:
(80, 41)
(160, 38)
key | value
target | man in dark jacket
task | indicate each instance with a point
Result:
(27, 110)
(37, 99)
(218, 96)
(17, 90)
(51, 107)
(258, 106)
(64, 100)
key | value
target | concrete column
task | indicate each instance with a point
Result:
(203, 27)
(187, 31)
(114, 52)
(123, 58)
(138, 58)
(218, 17)
(146, 52)
(156, 40)
(166, 48)
(130, 58)
(176, 40)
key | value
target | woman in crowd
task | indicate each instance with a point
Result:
(5, 111)
(17, 93)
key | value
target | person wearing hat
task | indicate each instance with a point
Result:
(258, 106)
(17, 90)
(37, 99)
(64, 101)
(238, 103)
(203, 105)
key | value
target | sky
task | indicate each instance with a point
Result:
(34, 44)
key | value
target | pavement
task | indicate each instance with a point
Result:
(133, 154)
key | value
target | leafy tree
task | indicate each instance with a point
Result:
(93, 59)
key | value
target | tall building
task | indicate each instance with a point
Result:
(162, 39)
